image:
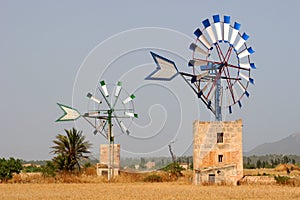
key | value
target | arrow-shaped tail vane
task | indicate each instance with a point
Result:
(166, 69)
(70, 114)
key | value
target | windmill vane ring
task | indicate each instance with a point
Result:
(220, 65)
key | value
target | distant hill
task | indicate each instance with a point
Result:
(287, 146)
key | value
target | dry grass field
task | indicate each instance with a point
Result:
(145, 191)
(131, 186)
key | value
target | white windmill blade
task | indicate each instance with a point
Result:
(246, 52)
(166, 69)
(242, 41)
(197, 63)
(206, 86)
(128, 99)
(234, 32)
(247, 65)
(104, 88)
(130, 114)
(241, 86)
(217, 24)
(209, 30)
(226, 26)
(70, 113)
(212, 92)
(234, 93)
(90, 96)
(124, 128)
(198, 49)
(202, 39)
(202, 75)
(118, 89)
(247, 78)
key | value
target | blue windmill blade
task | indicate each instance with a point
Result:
(217, 24)
(234, 32)
(242, 41)
(166, 69)
(203, 39)
(209, 31)
(246, 52)
(226, 27)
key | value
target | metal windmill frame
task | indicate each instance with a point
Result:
(104, 116)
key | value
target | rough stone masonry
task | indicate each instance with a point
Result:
(218, 152)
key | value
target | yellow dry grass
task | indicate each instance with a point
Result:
(145, 191)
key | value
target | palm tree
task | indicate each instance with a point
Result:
(70, 150)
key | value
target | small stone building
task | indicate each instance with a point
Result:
(102, 167)
(218, 153)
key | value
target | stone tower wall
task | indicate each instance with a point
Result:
(207, 151)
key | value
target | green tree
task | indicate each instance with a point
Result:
(70, 150)
(8, 167)
(258, 164)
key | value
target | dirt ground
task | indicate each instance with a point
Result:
(145, 191)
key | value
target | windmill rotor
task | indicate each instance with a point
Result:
(116, 107)
(220, 65)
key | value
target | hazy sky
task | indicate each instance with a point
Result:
(57, 51)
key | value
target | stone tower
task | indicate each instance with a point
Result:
(218, 153)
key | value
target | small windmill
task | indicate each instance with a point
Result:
(101, 117)
(220, 65)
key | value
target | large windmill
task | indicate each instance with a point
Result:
(118, 108)
(220, 67)
(219, 74)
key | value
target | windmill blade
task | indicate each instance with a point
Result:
(209, 30)
(242, 41)
(70, 113)
(196, 48)
(166, 69)
(212, 92)
(130, 114)
(124, 128)
(247, 65)
(104, 88)
(210, 66)
(128, 99)
(247, 78)
(234, 32)
(97, 130)
(118, 89)
(90, 96)
(240, 104)
(243, 88)
(226, 26)
(206, 86)
(246, 52)
(217, 24)
(200, 76)
(202, 39)
(194, 63)
(105, 136)
(230, 109)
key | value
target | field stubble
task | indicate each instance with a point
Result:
(169, 190)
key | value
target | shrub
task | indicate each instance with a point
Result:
(174, 169)
(8, 167)
(282, 179)
(48, 170)
(153, 178)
